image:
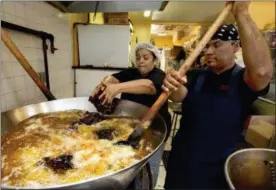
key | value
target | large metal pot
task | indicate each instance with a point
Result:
(252, 168)
(118, 180)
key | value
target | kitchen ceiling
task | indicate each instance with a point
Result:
(181, 17)
(138, 17)
(171, 18)
(170, 29)
(172, 12)
(190, 12)
(111, 6)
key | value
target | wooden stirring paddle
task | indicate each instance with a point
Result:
(151, 113)
(26, 65)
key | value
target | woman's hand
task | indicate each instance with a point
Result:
(106, 81)
(173, 81)
(99, 87)
(109, 93)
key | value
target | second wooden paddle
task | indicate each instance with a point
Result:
(26, 65)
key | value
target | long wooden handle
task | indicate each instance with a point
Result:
(25, 64)
(151, 113)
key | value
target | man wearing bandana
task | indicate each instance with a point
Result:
(215, 103)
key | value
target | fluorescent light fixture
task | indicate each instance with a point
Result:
(147, 13)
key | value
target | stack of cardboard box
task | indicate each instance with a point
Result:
(261, 132)
(120, 18)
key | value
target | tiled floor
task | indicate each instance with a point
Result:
(161, 177)
(162, 170)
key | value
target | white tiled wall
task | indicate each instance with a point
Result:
(17, 88)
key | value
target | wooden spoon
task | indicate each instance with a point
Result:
(151, 113)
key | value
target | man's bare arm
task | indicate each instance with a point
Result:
(256, 54)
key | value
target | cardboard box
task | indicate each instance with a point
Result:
(261, 132)
(117, 21)
(116, 18)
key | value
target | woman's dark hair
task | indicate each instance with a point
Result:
(181, 55)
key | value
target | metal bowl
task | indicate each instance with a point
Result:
(118, 180)
(252, 168)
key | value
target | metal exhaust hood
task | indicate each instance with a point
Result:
(112, 6)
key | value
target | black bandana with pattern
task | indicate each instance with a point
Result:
(226, 32)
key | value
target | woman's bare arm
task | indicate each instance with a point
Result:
(141, 86)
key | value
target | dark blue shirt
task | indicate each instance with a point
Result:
(218, 83)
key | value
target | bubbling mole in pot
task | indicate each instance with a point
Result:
(91, 118)
(48, 154)
(59, 164)
(108, 134)
(88, 119)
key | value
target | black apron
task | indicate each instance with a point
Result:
(210, 127)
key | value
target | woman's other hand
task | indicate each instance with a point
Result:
(99, 87)
(106, 81)
(109, 93)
